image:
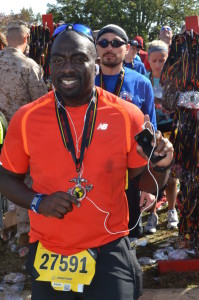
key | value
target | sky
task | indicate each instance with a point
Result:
(38, 6)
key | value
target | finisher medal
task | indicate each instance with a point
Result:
(79, 191)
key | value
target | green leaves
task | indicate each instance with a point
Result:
(140, 17)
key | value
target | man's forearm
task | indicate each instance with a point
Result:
(56, 205)
(16, 190)
(147, 183)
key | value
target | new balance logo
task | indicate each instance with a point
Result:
(102, 126)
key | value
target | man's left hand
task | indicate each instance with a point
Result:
(163, 146)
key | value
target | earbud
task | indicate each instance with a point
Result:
(143, 126)
(96, 69)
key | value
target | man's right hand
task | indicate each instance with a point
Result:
(57, 205)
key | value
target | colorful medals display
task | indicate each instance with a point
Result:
(40, 46)
(79, 191)
(180, 81)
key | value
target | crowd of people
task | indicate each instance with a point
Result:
(70, 162)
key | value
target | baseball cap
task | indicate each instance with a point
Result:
(133, 43)
(139, 39)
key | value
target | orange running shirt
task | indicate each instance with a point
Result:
(34, 140)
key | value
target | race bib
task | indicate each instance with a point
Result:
(66, 273)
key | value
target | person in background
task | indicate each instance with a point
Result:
(21, 82)
(22, 79)
(112, 47)
(166, 34)
(141, 52)
(131, 59)
(135, 43)
(157, 56)
(3, 41)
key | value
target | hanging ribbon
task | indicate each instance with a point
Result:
(65, 130)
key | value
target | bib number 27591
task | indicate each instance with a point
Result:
(69, 273)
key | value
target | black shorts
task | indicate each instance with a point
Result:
(118, 276)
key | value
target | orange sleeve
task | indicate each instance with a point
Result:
(13, 155)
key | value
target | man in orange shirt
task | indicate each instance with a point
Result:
(78, 141)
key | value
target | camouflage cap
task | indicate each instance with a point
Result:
(19, 25)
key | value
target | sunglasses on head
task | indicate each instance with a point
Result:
(166, 28)
(79, 28)
(114, 43)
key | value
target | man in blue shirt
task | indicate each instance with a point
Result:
(131, 60)
(112, 47)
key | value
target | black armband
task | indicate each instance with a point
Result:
(162, 169)
(136, 180)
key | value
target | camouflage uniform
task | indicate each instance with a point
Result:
(21, 81)
(3, 41)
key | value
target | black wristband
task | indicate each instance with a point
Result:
(162, 169)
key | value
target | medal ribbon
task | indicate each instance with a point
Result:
(64, 126)
(118, 85)
(151, 78)
(132, 64)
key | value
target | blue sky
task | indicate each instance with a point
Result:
(38, 6)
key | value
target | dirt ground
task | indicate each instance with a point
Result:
(152, 279)
(10, 261)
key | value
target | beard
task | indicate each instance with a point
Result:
(112, 62)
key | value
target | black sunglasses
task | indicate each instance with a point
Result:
(114, 43)
(79, 28)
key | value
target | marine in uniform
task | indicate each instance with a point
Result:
(21, 82)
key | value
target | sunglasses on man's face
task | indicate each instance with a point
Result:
(166, 28)
(79, 28)
(114, 43)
